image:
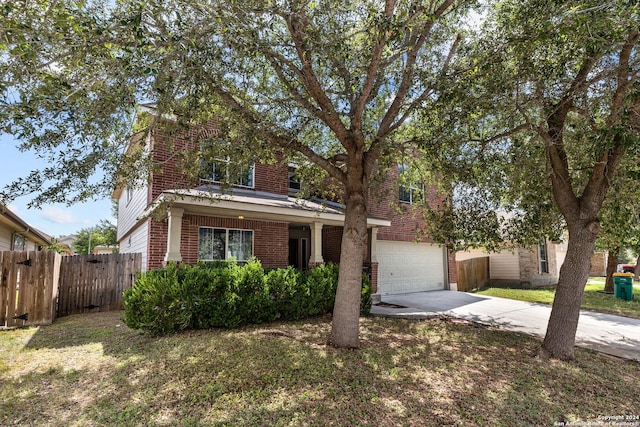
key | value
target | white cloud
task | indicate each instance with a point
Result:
(59, 216)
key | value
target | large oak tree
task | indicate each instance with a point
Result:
(331, 83)
(555, 110)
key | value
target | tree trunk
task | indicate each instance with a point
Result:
(345, 326)
(612, 265)
(560, 338)
(636, 272)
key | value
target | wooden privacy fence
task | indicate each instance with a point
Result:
(472, 273)
(28, 287)
(37, 286)
(95, 282)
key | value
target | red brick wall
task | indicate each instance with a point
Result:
(157, 243)
(374, 277)
(272, 178)
(407, 224)
(269, 178)
(451, 263)
(270, 239)
(165, 148)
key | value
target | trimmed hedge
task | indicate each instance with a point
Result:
(228, 295)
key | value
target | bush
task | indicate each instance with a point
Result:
(227, 295)
(365, 296)
(285, 290)
(156, 304)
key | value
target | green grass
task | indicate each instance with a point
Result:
(91, 370)
(593, 298)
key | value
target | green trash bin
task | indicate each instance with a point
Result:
(623, 286)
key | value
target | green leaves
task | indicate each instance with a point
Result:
(228, 295)
(104, 233)
(545, 95)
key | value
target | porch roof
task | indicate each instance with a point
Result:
(257, 206)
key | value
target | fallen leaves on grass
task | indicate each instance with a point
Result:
(91, 370)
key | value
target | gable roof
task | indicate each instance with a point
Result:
(17, 224)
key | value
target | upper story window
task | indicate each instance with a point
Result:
(294, 182)
(408, 192)
(224, 170)
(19, 242)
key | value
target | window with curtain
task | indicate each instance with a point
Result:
(217, 244)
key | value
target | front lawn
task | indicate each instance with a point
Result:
(91, 370)
(593, 298)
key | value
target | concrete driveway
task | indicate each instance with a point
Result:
(615, 335)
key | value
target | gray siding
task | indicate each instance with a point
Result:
(130, 207)
(136, 241)
(5, 238)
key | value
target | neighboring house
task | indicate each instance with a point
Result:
(67, 242)
(104, 249)
(171, 219)
(599, 264)
(17, 235)
(526, 267)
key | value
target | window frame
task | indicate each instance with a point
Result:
(407, 190)
(128, 195)
(543, 257)
(25, 242)
(227, 252)
(291, 180)
(209, 168)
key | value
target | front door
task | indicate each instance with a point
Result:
(299, 253)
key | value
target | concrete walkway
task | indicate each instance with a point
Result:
(615, 335)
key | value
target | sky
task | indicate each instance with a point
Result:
(56, 219)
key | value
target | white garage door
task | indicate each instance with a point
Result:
(409, 267)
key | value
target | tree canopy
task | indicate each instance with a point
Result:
(550, 111)
(537, 111)
(102, 234)
(331, 85)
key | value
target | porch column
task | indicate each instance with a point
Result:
(373, 261)
(174, 232)
(373, 245)
(316, 245)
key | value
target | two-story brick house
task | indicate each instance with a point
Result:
(171, 219)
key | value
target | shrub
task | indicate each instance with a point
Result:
(252, 302)
(283, 287)
(322, 282)
(156, 302)
(227, 295)
(365, 296)
(211, 295)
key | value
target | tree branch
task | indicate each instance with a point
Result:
(425, 94)
(288, 143)
(358, 107)
(622, 77)
(553, 135)
(297, 29)
(409, 70)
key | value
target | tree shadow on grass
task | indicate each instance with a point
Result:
(433, 373)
